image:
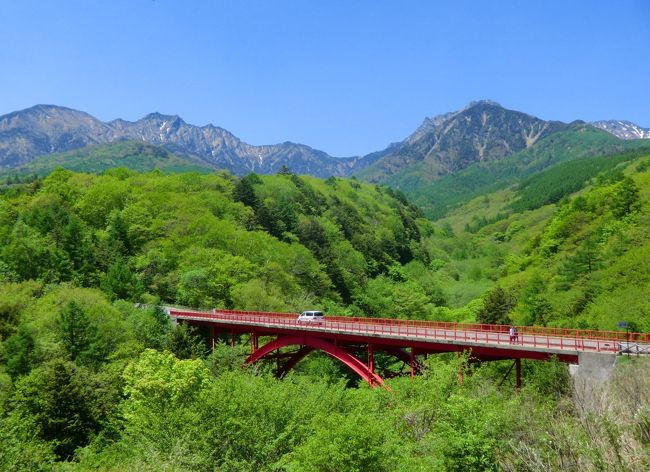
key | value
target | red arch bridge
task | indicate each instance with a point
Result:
(344, 338)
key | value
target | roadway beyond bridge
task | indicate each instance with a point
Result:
(343, 337)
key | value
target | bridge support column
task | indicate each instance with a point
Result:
(518, 373)
(412, 362)
(254, 343)
(371, 359)
(232, 340)
(212, 337)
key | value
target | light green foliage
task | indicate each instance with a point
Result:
(209, 275)
(353, 442)
(22, 449)
(15, 298)
(156, 412)
(89, 378)
(266, 242)
(578, 263)
(159, 382)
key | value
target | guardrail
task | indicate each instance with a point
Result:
(548, 338)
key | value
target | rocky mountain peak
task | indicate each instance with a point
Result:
(623, 129)
(485, 103)
(157, 117)
(481, 131)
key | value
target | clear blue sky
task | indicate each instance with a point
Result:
(347, 77)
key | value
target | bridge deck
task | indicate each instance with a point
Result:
(491, 341)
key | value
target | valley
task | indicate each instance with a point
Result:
(95, 239)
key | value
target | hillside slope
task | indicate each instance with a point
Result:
(265, 242)
(134, 155)
(581, 262)
(578, 141)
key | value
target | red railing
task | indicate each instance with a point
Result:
(549, 338)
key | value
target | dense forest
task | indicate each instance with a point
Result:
(89, 380)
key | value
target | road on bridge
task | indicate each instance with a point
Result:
(497, 336)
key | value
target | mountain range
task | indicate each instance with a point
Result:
(47, 129)
(481, 133)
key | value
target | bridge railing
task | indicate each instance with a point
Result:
(551, 338)
(492, 328)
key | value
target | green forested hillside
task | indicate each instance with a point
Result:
(580, 262)
(437, 195)
(136, 155)
(274, 243)
(89, 381)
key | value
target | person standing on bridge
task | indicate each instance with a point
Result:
(513, 334)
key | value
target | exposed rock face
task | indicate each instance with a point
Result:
(623, 129)
(482, 131)
(46, 129)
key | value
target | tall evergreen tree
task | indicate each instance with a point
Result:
(75, 330)
(245, 193)
(60, 402)
(496, 307)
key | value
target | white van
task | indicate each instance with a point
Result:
(312, 316)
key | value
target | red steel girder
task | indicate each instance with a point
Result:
(317, 343)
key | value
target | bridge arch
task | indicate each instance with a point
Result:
(332, 350)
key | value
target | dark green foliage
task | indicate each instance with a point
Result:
(159, 328)
(584, 262)
(551, 185)
(244, 191)
(496, 306)
(120, 282)
(76, 332)
(284, 170)
(60, 401)
(118, 232)
(19, 352)
(185, 342)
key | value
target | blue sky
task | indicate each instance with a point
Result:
(347, 77)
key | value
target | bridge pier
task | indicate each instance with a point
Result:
(371, 358)
(590, 376)
(254, 343)
(412, 362)
(518, 373)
